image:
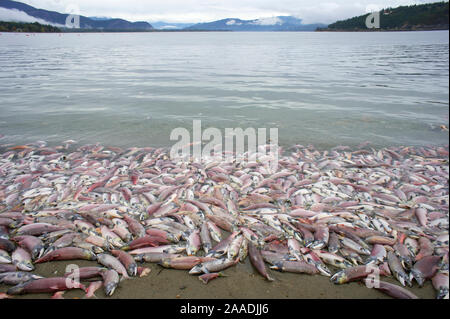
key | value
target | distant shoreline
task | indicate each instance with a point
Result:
(412, 28)
(227, 31)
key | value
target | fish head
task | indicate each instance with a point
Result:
(318, 244)
(25, 266)
(173, 238)
(277, 266)
(418, 276)
(5, 259)
(196, 270)
(370, 260)
(165, 263)
(17, 290)
(110, 288)
(400, 277)
(323, 270)
(299, 238)
(339, 278)
(37, 252)
(407, 262)
(409, 282)
(442, 293)
(132, 270)
(98, 250)
(89, 255)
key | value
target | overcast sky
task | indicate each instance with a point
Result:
(325, 11)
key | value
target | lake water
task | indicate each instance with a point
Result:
(132, 89)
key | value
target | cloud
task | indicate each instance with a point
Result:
(9, 15)
(169, 27)
(310, 11)
(268, 21)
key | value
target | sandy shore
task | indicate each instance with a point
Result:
(241, 282)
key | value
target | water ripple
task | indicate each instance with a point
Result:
(133, 89)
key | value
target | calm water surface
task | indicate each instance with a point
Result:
(132, 89)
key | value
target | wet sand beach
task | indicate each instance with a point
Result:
(242, 282)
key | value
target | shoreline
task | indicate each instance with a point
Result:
(229, 31)
(410, 29)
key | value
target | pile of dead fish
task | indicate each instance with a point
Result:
(346, 214)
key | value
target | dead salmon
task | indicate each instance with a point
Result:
(393, 290)
(110, 281)
(351, 274)
(127, 260)
(425, 268)
(206, 278)
(257, 261)
(67, 253)
(45, 285)
(86, 272)
(440, 284)
(397, 269)
(113, 263)
(299, 267)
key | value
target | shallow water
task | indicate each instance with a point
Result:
(132, 89)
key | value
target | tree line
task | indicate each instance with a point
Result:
(26, 27)
(424, 16)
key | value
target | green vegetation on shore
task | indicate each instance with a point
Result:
(37, 27)
(26, 27)
(430, 16)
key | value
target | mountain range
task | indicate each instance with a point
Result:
(280, 23)
(20, 12)
(161, 25)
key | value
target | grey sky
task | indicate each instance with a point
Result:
(310, 11)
